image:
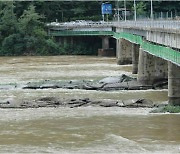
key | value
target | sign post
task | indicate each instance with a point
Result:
(125, 10)
(106, 9)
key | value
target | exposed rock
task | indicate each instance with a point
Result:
(46, 86)
(130, 85)
(73, 103)
(93, 86)
(122, 82)
(109, 104)
(138, 103)
(116, 79)
(115, 86)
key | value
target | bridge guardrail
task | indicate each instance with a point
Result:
(157, 50)
(83, 24)
(140, 24)
(156, 24)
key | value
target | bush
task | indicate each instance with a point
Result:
(168, 108)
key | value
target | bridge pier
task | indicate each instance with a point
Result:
(146, 71)
(135, 58)
(105, 42)
(106, 51)
(173, 84)
(123, 52)
(161, 69)
(151, 69)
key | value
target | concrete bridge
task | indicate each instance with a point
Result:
(153, 47)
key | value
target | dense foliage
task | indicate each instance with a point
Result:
(23, 31)
(23, 35)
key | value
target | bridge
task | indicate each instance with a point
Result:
(153, 47)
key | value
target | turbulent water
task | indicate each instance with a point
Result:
(80, 130)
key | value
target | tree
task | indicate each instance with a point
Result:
(33, 30)
(30, 21)
(140, 8)
(8, 21)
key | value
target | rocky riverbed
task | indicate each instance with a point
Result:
(122, 82)
(73, 103)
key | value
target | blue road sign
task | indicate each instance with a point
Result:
(106, 8)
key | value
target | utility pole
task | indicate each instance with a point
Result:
(118, 9)
(134, 10)
(125, 10)
(152, 10)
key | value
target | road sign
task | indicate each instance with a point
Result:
(106, 8)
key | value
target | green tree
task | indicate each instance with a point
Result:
(33, 30)
(8, 21)
(140, 8)
(30, 21)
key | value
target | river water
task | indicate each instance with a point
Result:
(84, 129)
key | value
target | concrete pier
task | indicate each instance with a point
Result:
(105, 42)
(106, 51)
(161, 69)
(123, 52)
(151, 69)
(146, 68)
(135, 58)
(173, 84)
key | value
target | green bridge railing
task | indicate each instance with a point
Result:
(157, 50)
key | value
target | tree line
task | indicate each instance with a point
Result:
(23, 31)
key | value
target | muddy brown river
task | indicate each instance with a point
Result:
(83, 129)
